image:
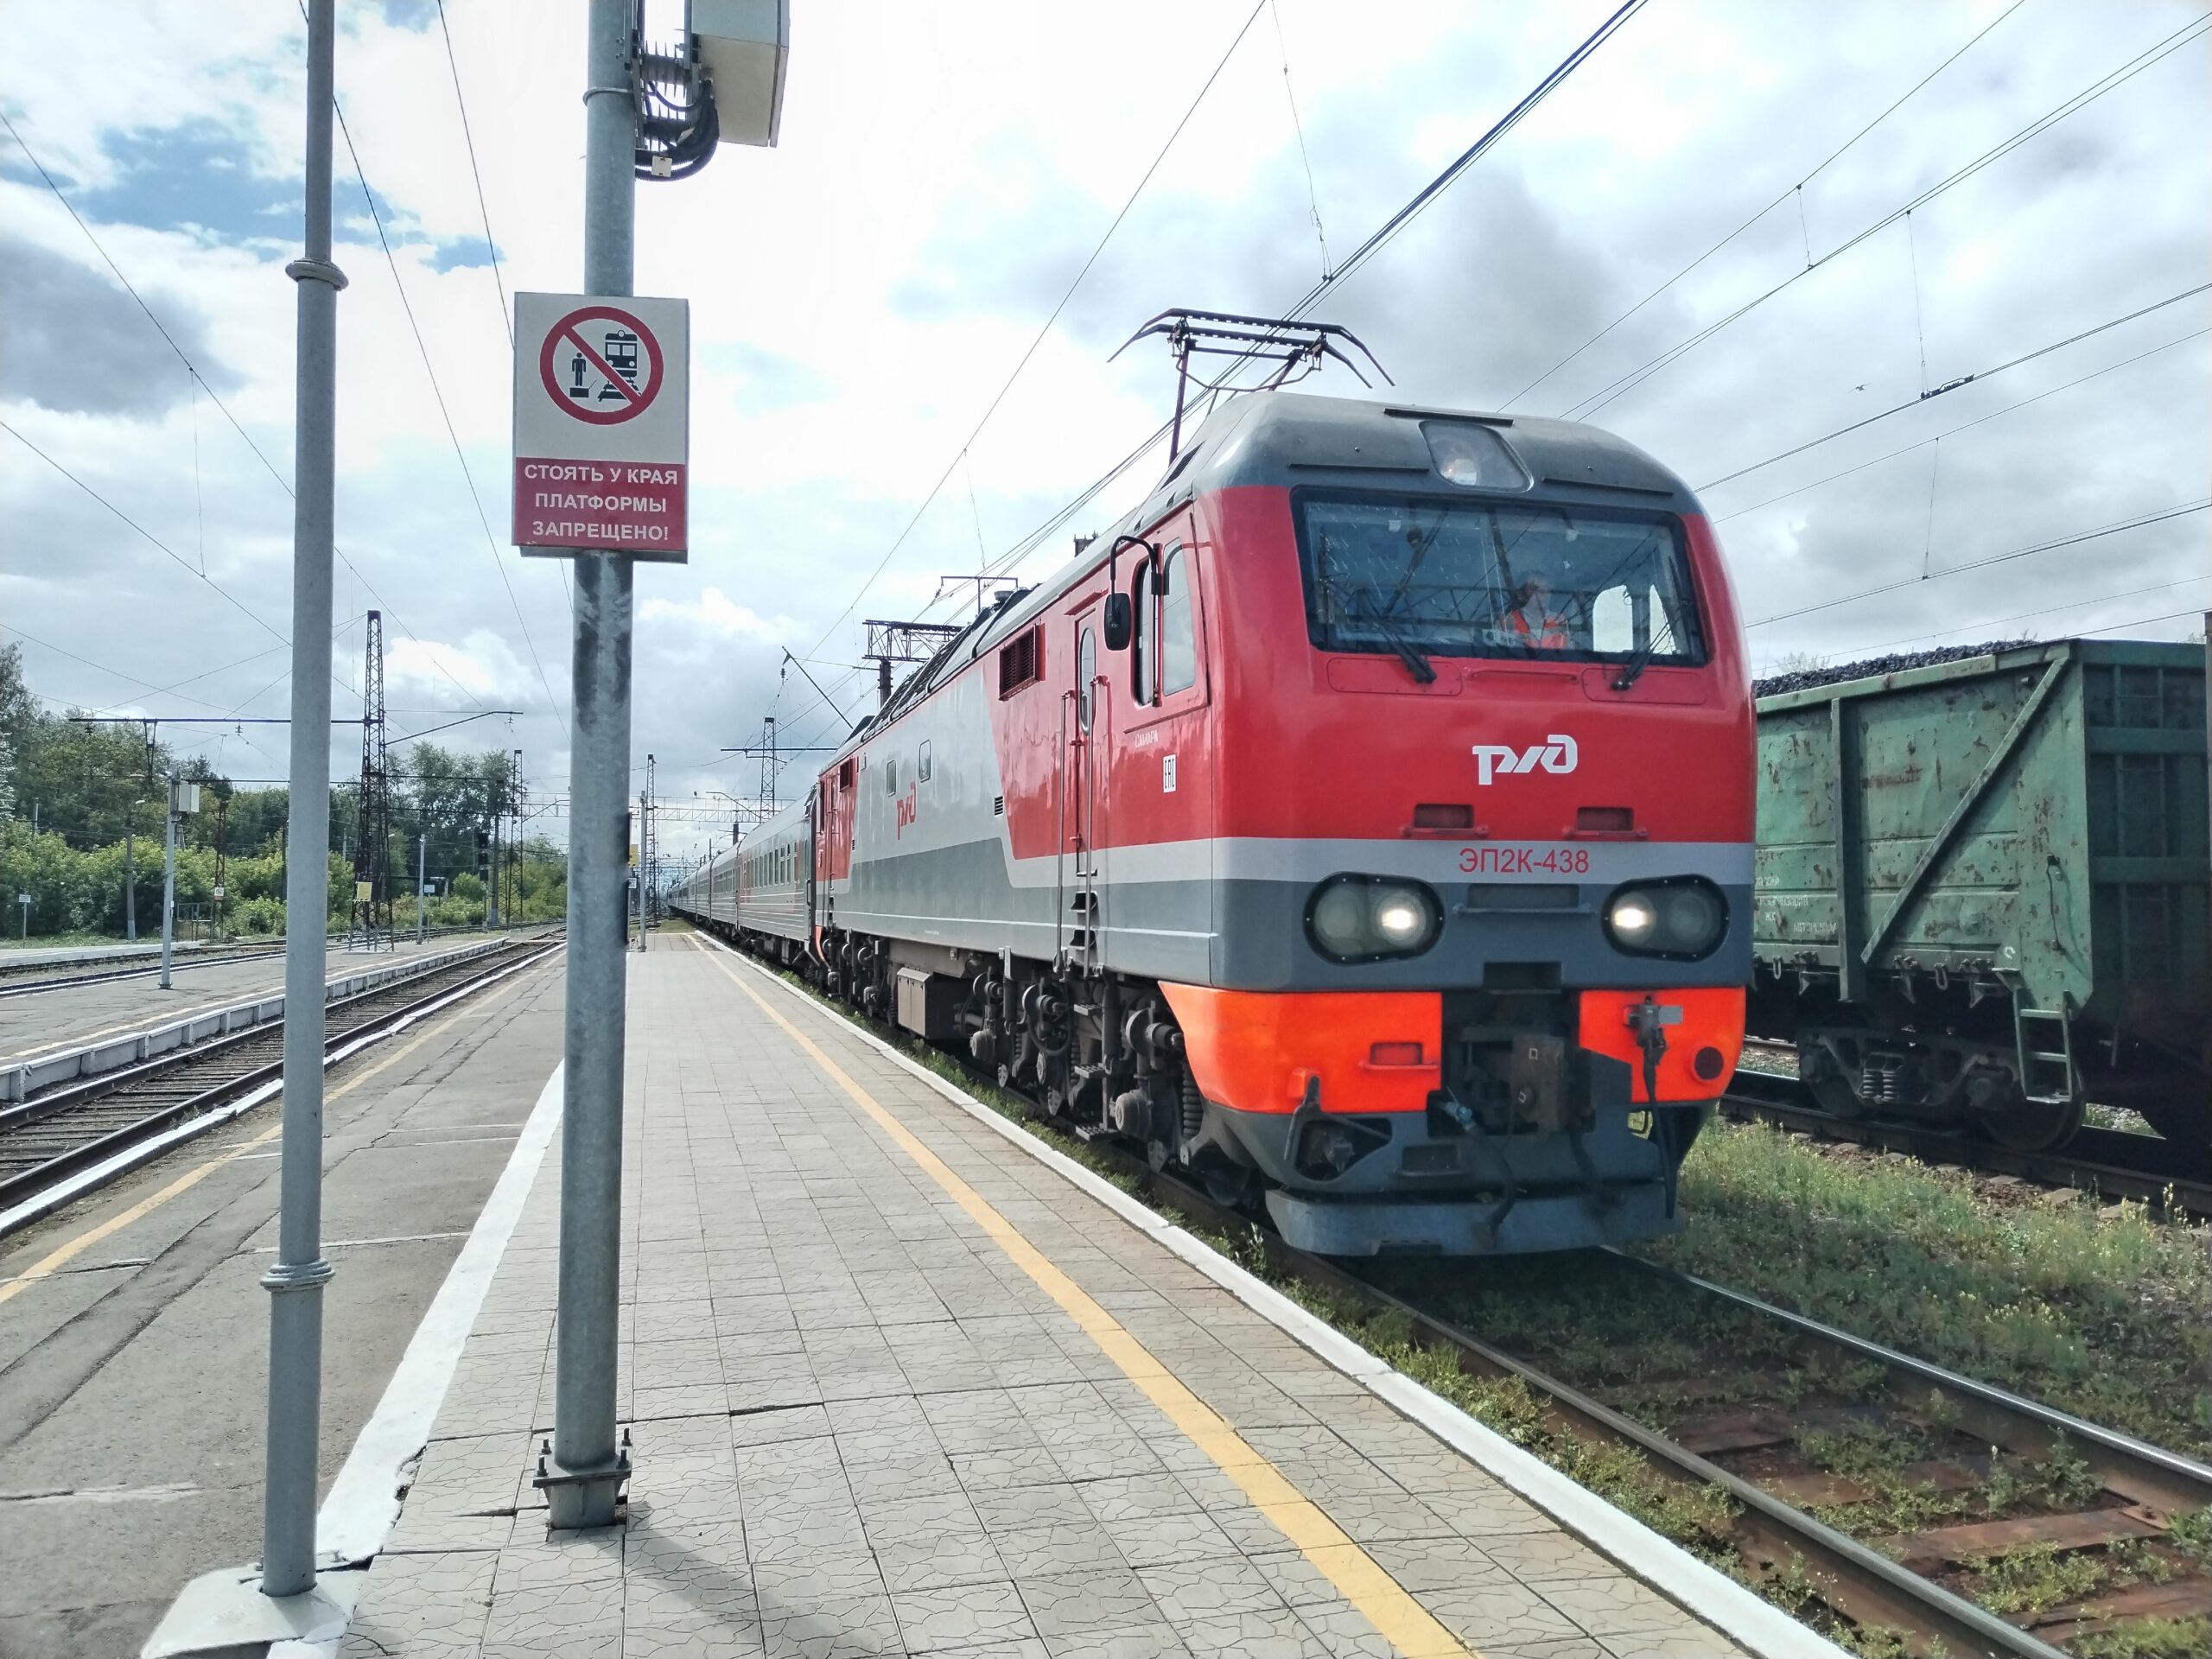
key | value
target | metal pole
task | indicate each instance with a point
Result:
(587, 1465)
(421, 905)
(295, 1282)
(131, 877)
(168, 882)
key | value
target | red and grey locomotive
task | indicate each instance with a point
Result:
(1363, 823)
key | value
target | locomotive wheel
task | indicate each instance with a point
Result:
(2029, 1126)
(1230, 1188)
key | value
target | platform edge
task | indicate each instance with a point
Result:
(1697, 1588)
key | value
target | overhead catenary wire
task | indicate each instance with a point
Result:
(1298, 127)
(2138, 522)
(1587, 406)
(437, 393)
(103, 668)
(1043, 332)
(200, 381)
(1390, 227)
(228, 597)
(2028, 616)
(1977, 377)
(468, 144)
(484, 213)
(1366, 251)
(2079, 381)
(1797, 190)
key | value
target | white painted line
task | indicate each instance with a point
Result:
(357, 1244)
(364, 1502)
(1762, 1628)
(104, 1495)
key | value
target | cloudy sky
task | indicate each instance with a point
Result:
(860, 294)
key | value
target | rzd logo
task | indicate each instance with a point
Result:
(1556, 753)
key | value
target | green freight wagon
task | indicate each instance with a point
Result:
(1981, 889)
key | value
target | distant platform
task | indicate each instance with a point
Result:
(68, 1015)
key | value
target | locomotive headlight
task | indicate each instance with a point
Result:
(1684, 918)
(1402, 918)
(1366, 917)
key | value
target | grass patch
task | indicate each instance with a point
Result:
(2105, 1313)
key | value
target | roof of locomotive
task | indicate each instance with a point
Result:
(1287, 439)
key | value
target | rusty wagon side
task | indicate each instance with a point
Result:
(1982, 887)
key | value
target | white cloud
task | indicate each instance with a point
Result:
(441, 676)
(860, 293)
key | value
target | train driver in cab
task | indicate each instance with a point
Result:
(1531, 619)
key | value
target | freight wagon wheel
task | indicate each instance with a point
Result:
(1831, 1088)
(2029, 1126)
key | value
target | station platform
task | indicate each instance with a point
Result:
(899, 1380)
(34, 1025)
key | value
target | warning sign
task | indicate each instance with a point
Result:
(602, 424)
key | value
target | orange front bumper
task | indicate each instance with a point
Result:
(1383, 1050)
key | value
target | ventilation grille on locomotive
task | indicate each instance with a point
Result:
(1021, 661)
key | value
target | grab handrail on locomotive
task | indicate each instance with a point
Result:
(1363, 823)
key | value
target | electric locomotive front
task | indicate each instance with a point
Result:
(1363, 823)
(1482, 800)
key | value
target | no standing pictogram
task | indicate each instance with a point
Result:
(602, 364)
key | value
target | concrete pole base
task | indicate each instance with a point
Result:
(225, 1612)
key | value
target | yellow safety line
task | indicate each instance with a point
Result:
(61, 1256)
(1402, 1621)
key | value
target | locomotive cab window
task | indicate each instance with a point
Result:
(1140, 632)
(1178, 638)
(1164, 650)
(1086, 671)
(1420, 576)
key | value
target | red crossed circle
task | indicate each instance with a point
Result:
(636, 400)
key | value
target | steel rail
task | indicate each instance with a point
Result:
(2135, 1469)
(1771, 1097)
(433, 986)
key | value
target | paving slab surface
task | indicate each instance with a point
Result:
(896, 1388)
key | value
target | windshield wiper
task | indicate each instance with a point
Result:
(1635, 666)
(1416, 664)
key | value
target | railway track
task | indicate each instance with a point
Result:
(72, 1139)
(2108, 1162)
(1986, 1482)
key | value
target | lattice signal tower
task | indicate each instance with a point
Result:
(372, 822)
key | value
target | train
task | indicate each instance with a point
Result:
(1984, 889)
(1361, 826)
